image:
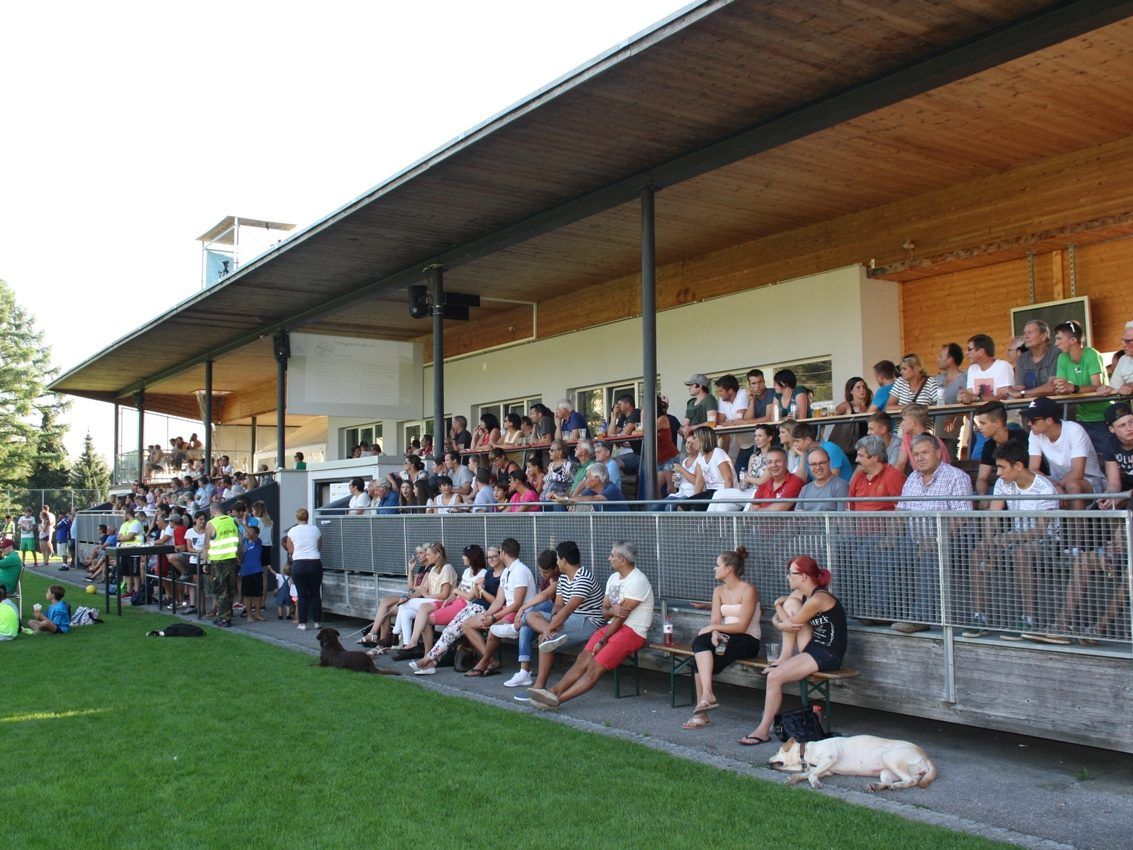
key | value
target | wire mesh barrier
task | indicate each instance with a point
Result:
(13, 501)
(1043, 576)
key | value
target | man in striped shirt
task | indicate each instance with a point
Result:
(576, 614)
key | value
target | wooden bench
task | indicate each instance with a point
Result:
(682, 656)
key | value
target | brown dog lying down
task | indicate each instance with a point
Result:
(335, 655)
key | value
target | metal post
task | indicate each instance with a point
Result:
(282, 345)
(946, 628)
(252, 453)
(207, 424)
(114, 448)
(438, 282)
(140, 404)
(647, 471)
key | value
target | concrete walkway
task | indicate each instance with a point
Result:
(1013, 788)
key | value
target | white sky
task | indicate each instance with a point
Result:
(131, 128)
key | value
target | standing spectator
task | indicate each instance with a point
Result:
(1036, 364)
(1069, 454)
(950, 380)
(46, 534)
(701, 406)
(914, 386)
(300, 461)
(732, 405)
(28, 542)
(304, 544)
(459, 437)
(222, 558)
(1121, 380)
(627, 422)
(63, 539)
(628, 608)
(252, 574)
(947, 489)
(884, 373)
(1081, 370)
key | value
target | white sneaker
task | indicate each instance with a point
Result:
(521, 679)
(318, 626)
(504, 630)
(302, 627)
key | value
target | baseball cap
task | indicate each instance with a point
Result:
(698, 378)
(1117, 411)
(7, 543)
(1041, 408)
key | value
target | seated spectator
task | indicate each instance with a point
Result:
(787, 441)
(760, 398)
(483, 500)
(880, 425)
(627, 422)
(825, 487)
(559, 478)
(527, 429)
(792, 400)
(460, 474)
(446, 500)
(1028, 544)
(543, 419)
(599, 491)
(57, 620)
(426, 450)
(628, 609)
(736, 498)
(991, 422)
(986, 374)
(413, 613)
(517, 584)
(10, 565)
(915, 421)
(714, 469)
(814, 637)
(1067, 449)
(383, 497)
(379, 632)
(584, 457)
(732, 633)
(501, 496)
(884, 374)
(513, 432)
(869, 562)
(1118, 455)
(933, 486)
(9, 616)
(950, 380)
(541, 603)
(359, 499)
(406, 498)
(476, 591)
(569, 423)
(667, 453)
(701, 408)
(1121, 378)
(1081, 371)
(804, 440)
(536, 475)
(603, 454)
(685, 478)
(914, 386)
(522, 498)
(780, 486)
(299, 461)
(731, 406)
(1036, 364)
(576, 612)
(858, 398)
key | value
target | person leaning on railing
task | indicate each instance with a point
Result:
(1081, 371)
(914, 386)
(599, 491)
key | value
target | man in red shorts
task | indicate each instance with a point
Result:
(628, 609)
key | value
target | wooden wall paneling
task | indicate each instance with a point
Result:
(1105, 273)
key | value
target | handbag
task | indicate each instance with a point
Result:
(802, 724)
(464, 657)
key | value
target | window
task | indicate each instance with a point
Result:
(358, 434)
(815, 374)
(596, 404)
(414, 428)
(500, 409)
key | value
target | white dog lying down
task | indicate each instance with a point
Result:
(899, 763)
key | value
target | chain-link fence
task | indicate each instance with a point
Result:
(1045, 576)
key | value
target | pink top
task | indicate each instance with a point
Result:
(517, 502)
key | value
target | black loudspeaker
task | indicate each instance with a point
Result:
(419, 301)
(281, 345)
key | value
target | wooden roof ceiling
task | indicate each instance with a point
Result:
(535, 201)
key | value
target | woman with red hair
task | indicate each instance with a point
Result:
(813, 624)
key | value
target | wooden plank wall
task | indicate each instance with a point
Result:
(952, 307)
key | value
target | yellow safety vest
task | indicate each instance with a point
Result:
(225, 546)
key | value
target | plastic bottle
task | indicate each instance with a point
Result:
(605, 426)
(667, 629)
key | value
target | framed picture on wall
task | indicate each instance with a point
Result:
(1054, 313)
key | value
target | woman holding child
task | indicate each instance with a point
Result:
(732, 633)
(813, 623)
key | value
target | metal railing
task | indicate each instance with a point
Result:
(15, 500)
(1069, 572)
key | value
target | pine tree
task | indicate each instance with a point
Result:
(90, 472)
(31, 424)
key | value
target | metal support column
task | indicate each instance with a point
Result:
(436, 274)
(140, 404)
(647, 473)
(282, 347)
(115, 449)
(252, 451)
(207, 424)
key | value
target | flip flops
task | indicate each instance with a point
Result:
(753, 740)
(697, 721)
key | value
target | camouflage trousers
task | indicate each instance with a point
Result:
(222, 575)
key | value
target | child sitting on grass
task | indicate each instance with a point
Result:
(9, 616)
(58, 619)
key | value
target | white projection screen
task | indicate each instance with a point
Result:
(345, 376)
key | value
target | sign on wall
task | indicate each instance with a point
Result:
(345, 376)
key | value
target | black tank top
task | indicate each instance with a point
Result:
(829, 627)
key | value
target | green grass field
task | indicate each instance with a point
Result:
(115, 740)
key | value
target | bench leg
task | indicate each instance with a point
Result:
(820, 689)
(675, 666)
(636, 679)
